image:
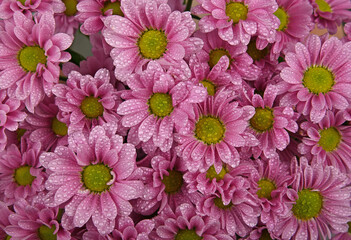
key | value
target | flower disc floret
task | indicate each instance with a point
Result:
(266, 187)
(30, 56)
(173, 182)
(318, 79)
(209, 130)
(152, 44)
(59, 128)
(236, 11)
(211, 173)
(96, 177)
(283, 18)
(219, 203)
(308, 205)
(263, 119)
(71, 7)
(186, 234)
(211, 88)
(216, 54)
(46, 233)
(323, 6)
(22, 176)
(115, 6)
(330, 139)
(160, 104)
(91, 107)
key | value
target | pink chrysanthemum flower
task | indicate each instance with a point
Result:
(66, 22)
(238, 20)
(89, 101)
(4, 219)
(21, 175)
(185, 223)
(156, 104)
(93, 176)
(10, 115)
(214, 131)
(328, 142)
(35, 222)
(150, 31)
(320, 207)
(259, 233)
(343, 236)
(270, 123)
(330, 14)
(347, 31)
(30, 57)
(317, 77)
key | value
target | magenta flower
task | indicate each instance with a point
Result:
(66, 21)
(317, 77)
(154, 33)
(4, 219)
(93, 177)
(30, 57)
(237, 21)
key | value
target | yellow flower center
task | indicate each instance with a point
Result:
(91, 107)
(323, 6)
(71, 7)
(160, 104)
(186, 234)
(95, 177)
(46, 233)
(59, 128)
(283, 17)
(211, 173)
(152, 44)
(22, 176)
(216, 54)
(308, 205)
(22, 1)
(115, 6)
(209, 130)
(30, 56)
(236, 11)
(211, 88)
(219, 203)
(318, 80)
(330, 139)
(254, 53)
(263, 119)
(173, 182)
(266, 187)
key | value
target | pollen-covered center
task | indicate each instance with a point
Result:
(255, 53)
(22, 176)
(266, 186)
(173, 182)
(283, 18)
(219, 203)
(30, 56)
(323, 6)
(236, 11)
(59, 128)
(211, 173)
(115, 6)
(160, 104)
(91, 107)
(330, 139)
(263, 119)
(209, 130)
(96, 177)
(152, 44)
(186, 234)
(308, 205)
(216, 54)
(71, 7)
(318, 80)
(46, 233)
(209, 85)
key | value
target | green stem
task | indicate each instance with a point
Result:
(76, 57)
(195, 17)
(188, 5)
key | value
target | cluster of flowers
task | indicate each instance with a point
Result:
(235, 129)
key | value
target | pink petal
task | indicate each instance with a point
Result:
(147, 128)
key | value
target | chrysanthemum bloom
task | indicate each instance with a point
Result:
(150, 31)
(30, 57)
(214, 131)
(238, 20)
(4, 219)
(44, 127)
(10, 115)
(330, 14)
(295, 22)
(270, 123)
(317, 77)
(347, 30)
(21, 175)
(156, 104)
(328, 142)
(93, 177)
(322, 204)
(184, 223)
(35, 222)
(89, 101)
(343, 236)
(66, 21)
(259, 233)
(240, 63)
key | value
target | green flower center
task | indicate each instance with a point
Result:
(160, 104)
(266, 187)
(323, 6)
(20, 132)
(209, 130)
(254, 53)
(349, 231)
(219, 203)
(173, 182)
(71, 7)
(59, 128)
(30, 56)
(186, 234)
(236, 11)
(211, 88)
(91, 107)
(330, 139)
(318, 80)
(265, 235)
(283, 17)
(211, 173)
(263, 119)
(8, 237)
(216, 54)
(115, 6)
(152, 44)
(22, 1)
(46, 233)
(308, 205)
(22, 176)
(95, 177)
